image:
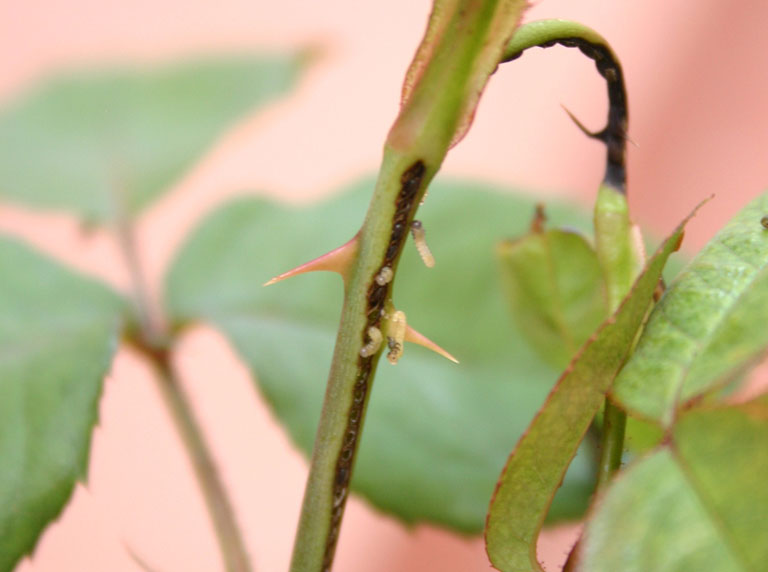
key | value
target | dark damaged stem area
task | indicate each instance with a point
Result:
(377, 295)
(548, 33)
(343, 411)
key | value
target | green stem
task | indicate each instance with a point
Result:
(222, 515)
(148, 327)
(460, 50)
(611, 443)
(152, 341)
(621, 263)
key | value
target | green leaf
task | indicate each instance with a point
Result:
(708, 327)
(537, 466)
(58, 332)
(105, 142)
(436, 432)
(554, 285)
(698, 504)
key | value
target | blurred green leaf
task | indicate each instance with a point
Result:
(708, 327)
(58, 332)
(640, 437)
(554, 286)
(104, 142)
(437, 433)
(697, 504)
(539, 462)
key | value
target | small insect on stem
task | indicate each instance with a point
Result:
(396, 336)
(764, 221)
(384, 276)
(374, 342)
(417, 230)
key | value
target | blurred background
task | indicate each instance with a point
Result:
(697, 75)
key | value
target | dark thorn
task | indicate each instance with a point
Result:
(539, 219)
(599, 135)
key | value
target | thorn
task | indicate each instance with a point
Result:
(415, 337)
(337, 260)
(599, 135)
(539, 219)
(138, 560)
(679, 241)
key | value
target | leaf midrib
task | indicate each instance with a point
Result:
(715, 518)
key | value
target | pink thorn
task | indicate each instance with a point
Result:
(338, 260)
(415, 337)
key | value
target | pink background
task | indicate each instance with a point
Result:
(697, 73)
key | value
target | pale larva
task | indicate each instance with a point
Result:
(374, 342)
(396, 336)
(384, 276)
(417, 230)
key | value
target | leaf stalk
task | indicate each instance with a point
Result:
(153, 342)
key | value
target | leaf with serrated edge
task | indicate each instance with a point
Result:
(537, 466)
(697, 504)
(437, 431)
(709, 325)
(103, 143)
(58, 332)
(554, 286)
